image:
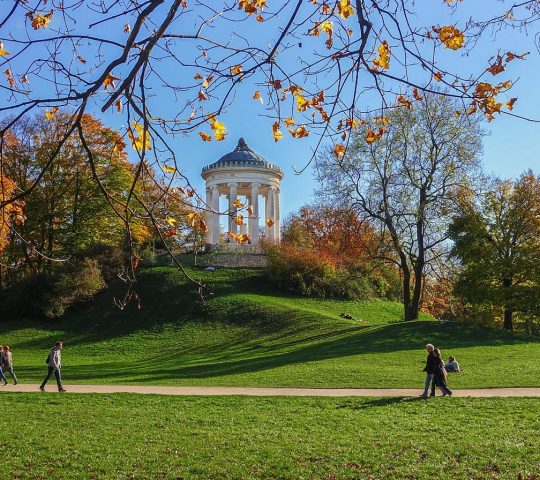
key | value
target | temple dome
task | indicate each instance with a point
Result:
(242, 156)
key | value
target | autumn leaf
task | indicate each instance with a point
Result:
(137, 141)
(51, 114)
(220, 132)
(301, 102)
(201, 225)
(239, 220)
(371, 136)
(383, 60)
(401, 100)
(438, 76)
(251, 6)
(118, 105)
(40, 21)
(339, 150)
(3, 53)
(276, 84)
(25, 79)
(344, 9)
(277, 132)
(300, 132)
(205, 137)
(257, 96)
(289, 121)
(81, 59)
(510, 103)
(202, 96)
(168, 169)
(450, 36)
(127, 28)
(109, 81)
(381, 120)
(269, 222)
(237, 70)
(9, 77)
(250, 210)
(417, 95)
(171, 221)
(238, 203)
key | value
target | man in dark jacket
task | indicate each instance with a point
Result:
(431, 365)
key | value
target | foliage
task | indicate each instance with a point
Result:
(47, 295)
(405, 184)
(497, 239)
(10, 213)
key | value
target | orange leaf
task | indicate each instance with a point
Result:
(205, 137)
(109, 81)
(339, 150)
(257, 96)
(269, 222)
(300, 132)
(50, 114)
(450, 36)
(277, 132)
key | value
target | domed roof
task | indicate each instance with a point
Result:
(242, 156)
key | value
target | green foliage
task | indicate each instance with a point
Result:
(47, 295)
(309, 272)
(497, 239)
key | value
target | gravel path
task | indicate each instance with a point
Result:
(272, 392)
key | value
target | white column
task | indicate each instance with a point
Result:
(233, 192)
(215, 215)
(270, 214)
(209, 238)
(254, 218)
(277, 231)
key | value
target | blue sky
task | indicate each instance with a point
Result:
(511, 146)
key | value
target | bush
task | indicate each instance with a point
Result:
(47, 295)
(311, 273)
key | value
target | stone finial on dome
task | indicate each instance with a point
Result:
(242, 146)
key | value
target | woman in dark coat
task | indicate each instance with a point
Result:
(440, 374)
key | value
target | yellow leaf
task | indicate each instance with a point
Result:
(300, 132)
(109, 81)
(3, 53)
(38, 20)
(171, 221)
(218, 128)
(277, 132)
(239, 220)
(371, 136)
(289, 121)
(301, 102)
(137, 140)
(50, 114)
(168, 169)
(237, 203)
(450, 37)
(383, 60)
(344, 8)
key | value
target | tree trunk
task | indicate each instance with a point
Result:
(508, 320)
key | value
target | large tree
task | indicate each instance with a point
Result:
(497, 239)
(174, 67)
(405, 183)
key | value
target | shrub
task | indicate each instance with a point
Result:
(311, 273)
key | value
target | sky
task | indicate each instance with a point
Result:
(511, 145)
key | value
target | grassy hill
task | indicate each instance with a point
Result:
(250, 334)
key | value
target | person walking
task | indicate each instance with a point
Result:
(440, 374)
(54, 363)
(2, 376)
(7, 363)
(431, 365)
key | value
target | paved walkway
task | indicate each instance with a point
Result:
(273, 392)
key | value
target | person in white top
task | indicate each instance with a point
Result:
(7, 363)
(54, 362)
(452, 365)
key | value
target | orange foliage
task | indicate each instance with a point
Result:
(11, 213)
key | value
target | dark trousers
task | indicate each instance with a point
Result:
(12, 373)
(2, 376)
(439, 381)
(56, 372)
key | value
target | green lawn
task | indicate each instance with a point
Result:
(249, 334)
(149, 437)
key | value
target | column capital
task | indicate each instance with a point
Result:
(214, 187)
(272, 187)
(255, 184)
(232, 184)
